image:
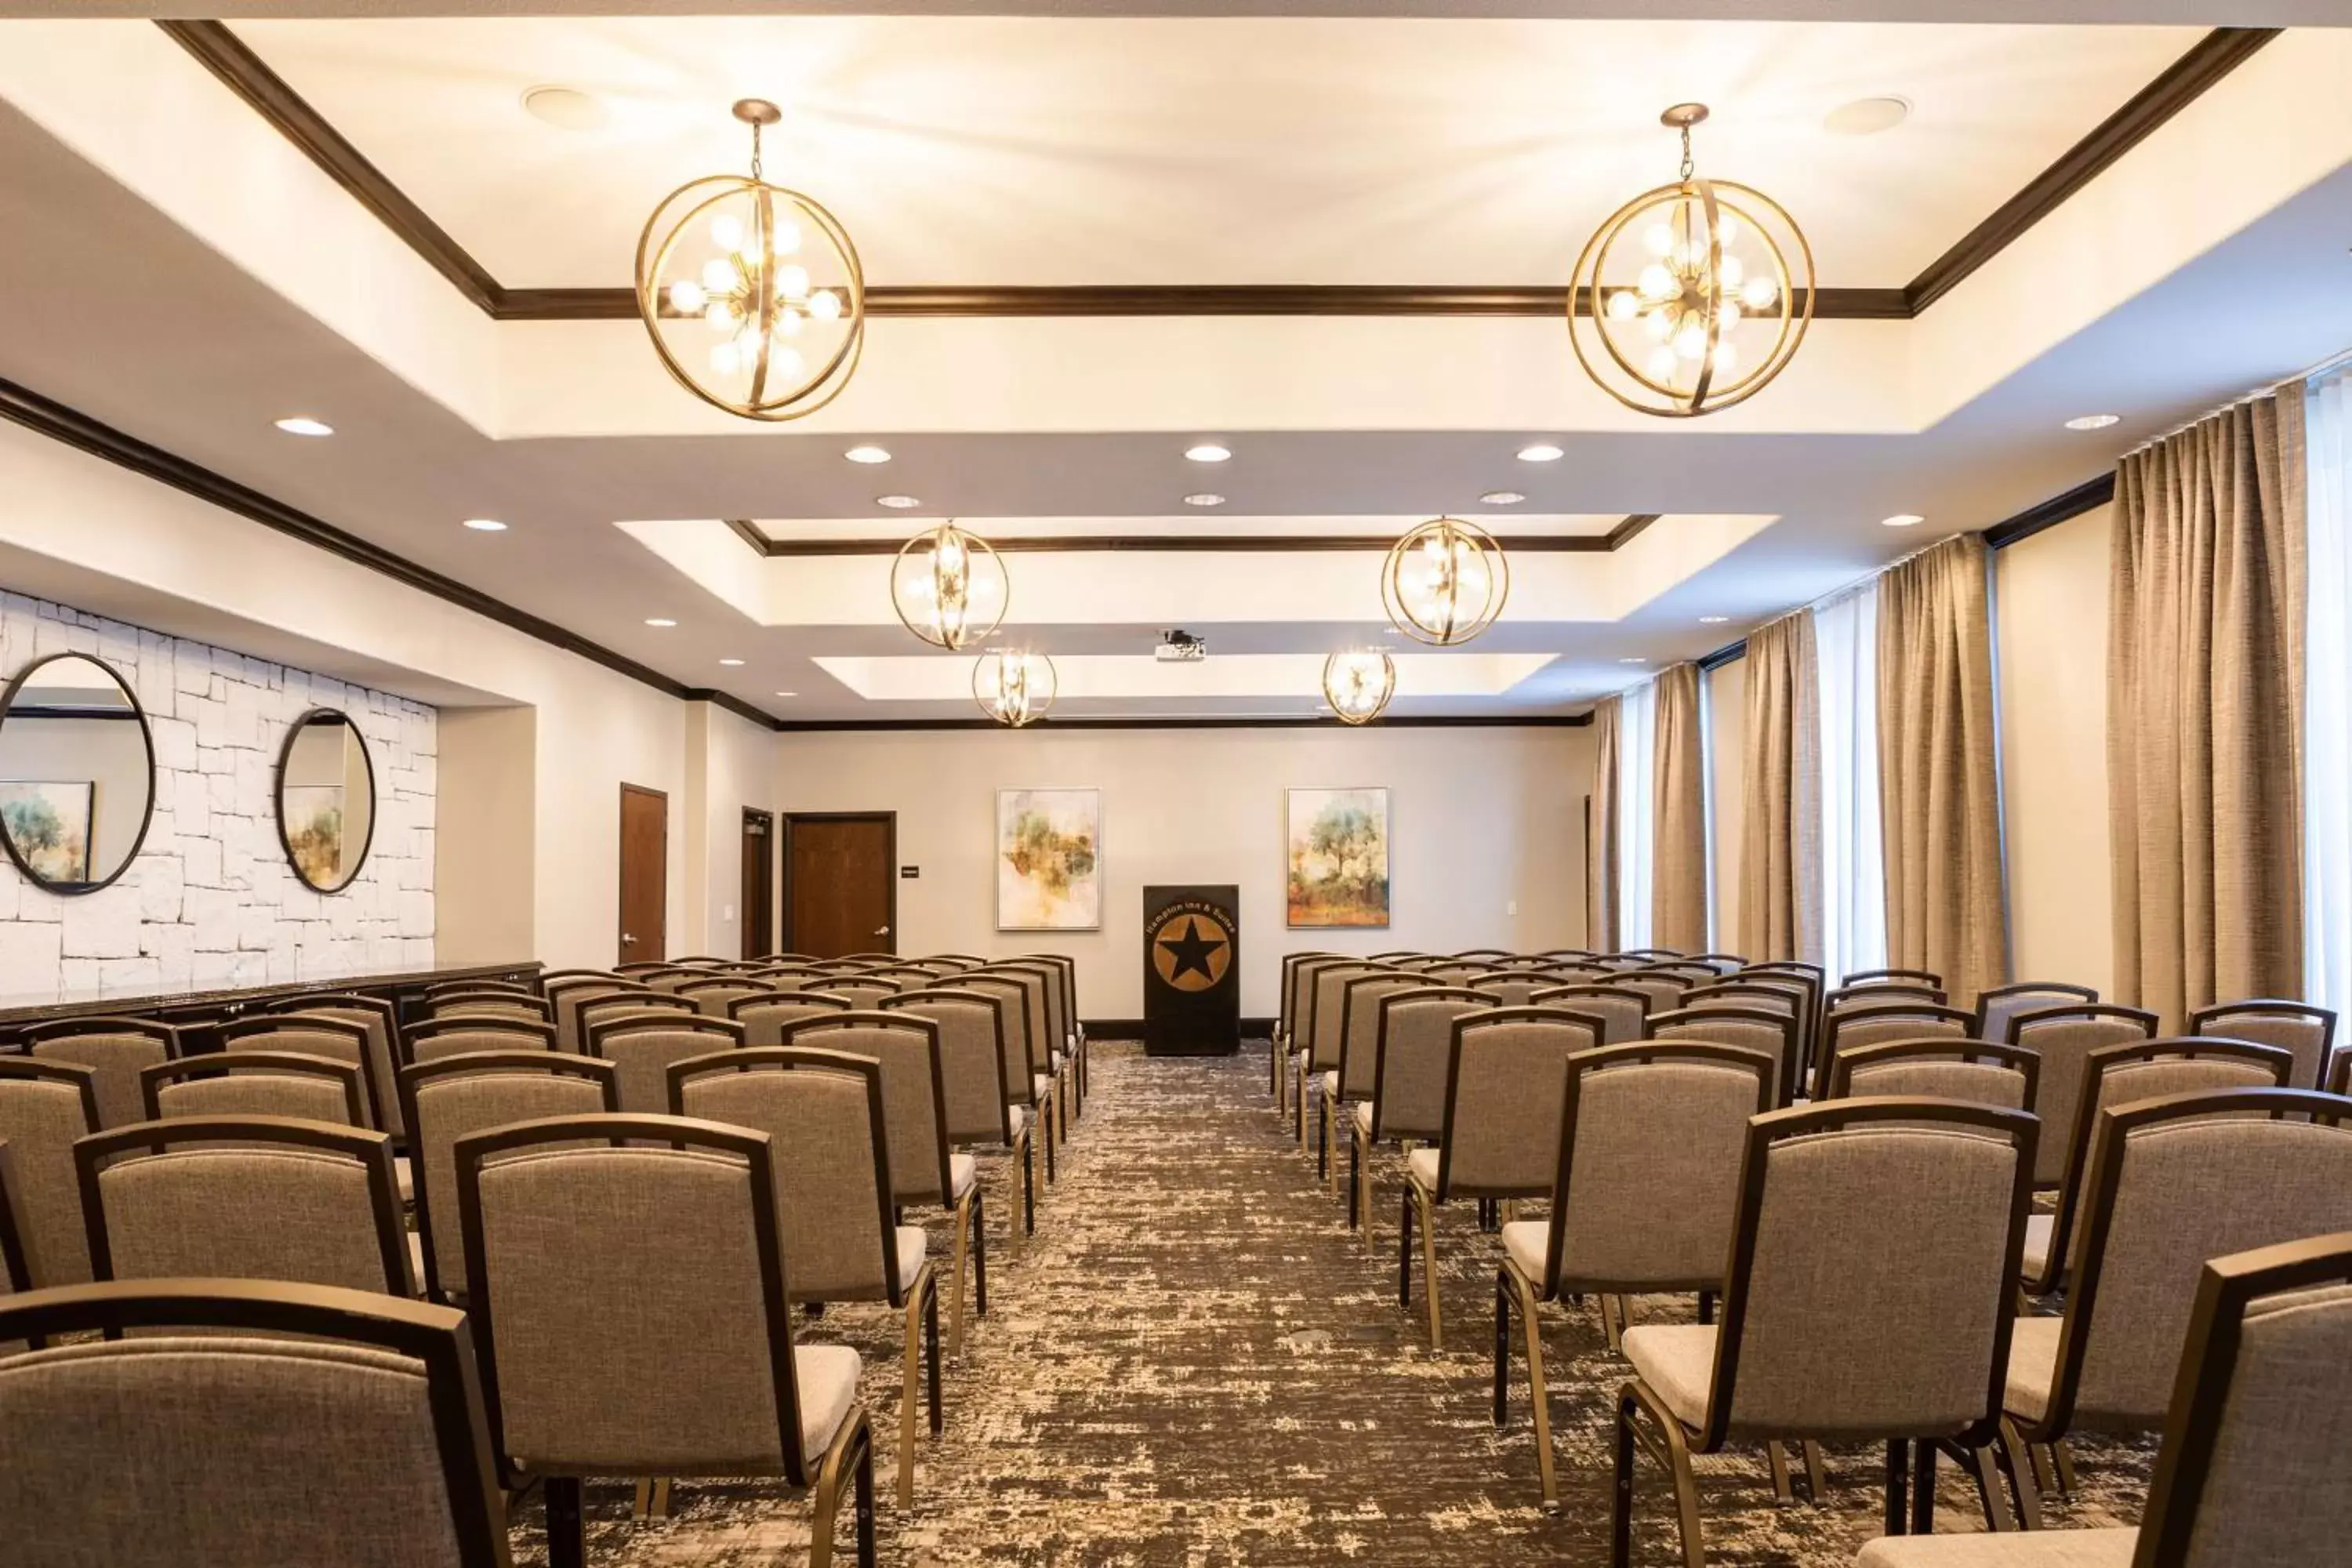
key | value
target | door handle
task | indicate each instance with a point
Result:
(629, 939)
(881, 930)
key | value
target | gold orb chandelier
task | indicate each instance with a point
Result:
(1013, 686)
(949, 587)
(753, 294)
(1697, 294)
(1444, 582)
(1358, 683)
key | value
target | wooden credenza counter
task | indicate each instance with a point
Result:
(194, 1010)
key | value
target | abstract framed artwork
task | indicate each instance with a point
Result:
(49, 823)
(1048, 859)
(1336, 842)
(312, 816)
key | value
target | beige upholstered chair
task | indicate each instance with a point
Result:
(114, 1048)
(255, 1083)
(1770, 1030)
(458, 1034)
(1926, 978)
(332, 1038)
(905, 976)
(790, 976)
(765, 1018)
(713, 993)
(1485, 955)
(1350, 1080)
(1646, 1198)
(1066, 1035)
(569, 996)
(1867, 1299)
(15, 1261)
(1289, 1025)
(1412, 1050)
(441, 988)
(2168, 1184)
(1977, 1071)
(382, 1058)
(1031, 1088)
(2308, 1032)
(244, 1197)
(457, 1096)
(977, 1105)
(1690, 971)
(925, 1171)
(2250, 1472)
(1880, 992)
(1506, 1076)
(1663, 987)
(2063, 1038)
(1779, 994)
(1806, 982)
(641, 1049)
(858, 990)
(1513, 988)
(518, 1005)
(45, 1107)
(630, 1301)
(2121, 1075)
(1623, 1011)
(1998, 1006)
(594, 1011)
(198, 1439)
(826, 1113)
(667, 977)
(2339, 1076)
(1047, 1061)
(1866, 1023)
(1318, 1047)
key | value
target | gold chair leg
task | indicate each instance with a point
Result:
(1422, 1202)
(1612, 1327)
(2065, 1457)
(661, 1497)
(907, 1404)
(643, 1507)
(1817, 1474)
(1987, 1476)
(1539, 1396)
(1363, 1181)
(2016, 1453)
(2040, 1453)
(824, 1493)
(1783, 1492)
(1685, 1494)
(962, 1251)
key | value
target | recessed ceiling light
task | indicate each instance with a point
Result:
(730, 663)
(1629, 658)
(1204, 498)
(303, 425)
(1541, 452)
(1867, 116)
(566, 108)
(867, 455)
(1208, 452)
(1502, 497)
(788, 694)
(659, 621)
(1712, 620)
(2093, 421)
(896, 503)
(1903, 519)
(486, 525)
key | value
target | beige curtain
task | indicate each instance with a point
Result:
(1678, 817)
(1601, 856)
(2204, 703)
(1780, 845)
(1938, 792)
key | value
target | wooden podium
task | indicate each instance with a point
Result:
(1192, 971)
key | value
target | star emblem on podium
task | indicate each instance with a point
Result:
(1195, 957)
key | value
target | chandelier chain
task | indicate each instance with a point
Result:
(1687, 164)
(755, 151)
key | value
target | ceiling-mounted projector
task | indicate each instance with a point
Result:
(1178, 645)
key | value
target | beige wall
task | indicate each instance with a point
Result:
(1726, 777)
(2051, 635)
(730, 764)
(1481, 821)
(485, 871)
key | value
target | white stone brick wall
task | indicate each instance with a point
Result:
(210, 899)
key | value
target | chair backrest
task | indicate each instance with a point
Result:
(255, 1083)
(1874, 1272)
(1926, 978)
(1482, 953)
(668, 977)
(1880, 994)
(764, 1017)
(2169, 1184)
(1769, 1030)
(904, 977)
(1663, 987)
(1061, 1025)
(1360, 1027)
(381, 1058)
(975, 1098)
(1782, 994)
(197, 1438)
(1035, 1021)
(1999, 1005)
(456, 1034)
(711, 995)
(914, 1089)
(1623, 1011)
(1011, 1000)
(1511, 987)
(1298, 974)
(457, 1096)
(2251, 1473)
(1871, 1025)
(1445, 972)
(244, 1197)
(642, 1047)
(2063, 1038)
(115, 1049)
(1721, 964)
(2308, 1032)
(520, 1006)
(45, 1107)
(570, 997)
(440, 988)
(1939, 1067)
(1506, 1080)
(1414, 1052)
(611, 1345)
(15, 1261)
(825, 1115)
(857, 991)
(1689, 970)
(1328, 1020)
(337, 1039)
(1651, 1142)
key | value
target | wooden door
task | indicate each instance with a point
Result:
(841, 888)
(645, 875)
(758, 883)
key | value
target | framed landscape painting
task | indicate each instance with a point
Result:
(1337, 846)
(1048, 859)
(314, 832)
(49, 824)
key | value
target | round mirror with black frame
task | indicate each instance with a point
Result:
(76, 773)
(326, 799)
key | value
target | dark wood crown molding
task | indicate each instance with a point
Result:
(227, 56)
(1043, 726)
(1184, 544)
(2088, 496)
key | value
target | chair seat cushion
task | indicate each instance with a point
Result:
(403, 1177)
(827, 1377)
(912, 1242)
(2033, 1366)
(962, 1171)
(1421, 1166)
(416, 1260)
(1525, 1243)
(1677, 1361)
(1041, 1086)
(2038, 1229)
(1330, 1082)
(2111, 1548)
(1362, 1112)
(1017, 1117)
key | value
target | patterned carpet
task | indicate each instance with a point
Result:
(1194, 1364)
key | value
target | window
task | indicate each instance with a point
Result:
(1637, 760)
(1853, 858)
(2327, 699)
